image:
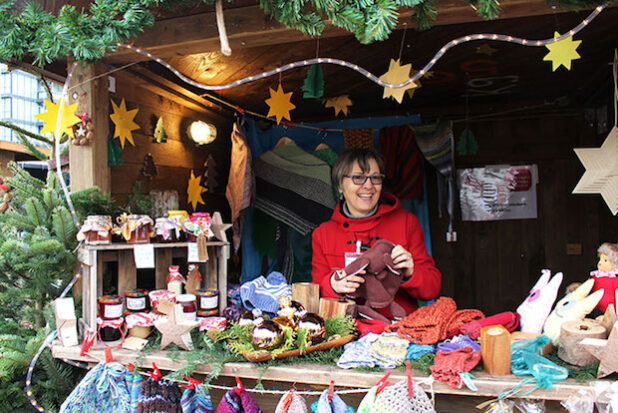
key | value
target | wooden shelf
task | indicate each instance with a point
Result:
(317, 374)
(124, 246)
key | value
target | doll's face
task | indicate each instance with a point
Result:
(604, 263)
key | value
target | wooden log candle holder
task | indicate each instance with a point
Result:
(521, 335)
(571, 335)
(330, 307)
(308, 294)
(496, 350)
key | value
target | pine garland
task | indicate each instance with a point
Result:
(89, 34)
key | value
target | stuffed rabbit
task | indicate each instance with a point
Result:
(382, 281)
(536, 307)
(574, 306)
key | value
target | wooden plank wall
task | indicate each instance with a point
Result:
(179, 155)
(494, 264)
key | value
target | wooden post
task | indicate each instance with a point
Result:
(88, 163)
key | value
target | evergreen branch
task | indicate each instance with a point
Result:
(36, 212)
(19, 130)
(63, 226)
(34, 151)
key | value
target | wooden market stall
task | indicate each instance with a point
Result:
(521, 112)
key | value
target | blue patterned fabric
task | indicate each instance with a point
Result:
(336, 405)
(196, 400)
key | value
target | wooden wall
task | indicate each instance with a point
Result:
(494, 264)
(179, 155)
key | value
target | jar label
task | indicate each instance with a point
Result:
(112, 311)
(136, 303)
(209, 302)
(191, 316)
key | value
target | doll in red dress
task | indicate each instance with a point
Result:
(606, 275)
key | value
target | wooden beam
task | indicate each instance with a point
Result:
(249, 27)
(19, 148)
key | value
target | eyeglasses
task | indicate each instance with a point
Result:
(360, 179)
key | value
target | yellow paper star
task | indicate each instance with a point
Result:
(562, 52)
(123, 119)
(67, 118)
(195, 190)
(397, 74)
(418, 84)
(601, 176)
(279, 104)
(339, 104)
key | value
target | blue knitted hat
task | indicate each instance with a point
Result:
(264, 293)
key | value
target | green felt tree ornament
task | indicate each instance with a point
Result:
(114, 153)
(159, 134)
(313, 88)
(467, 144)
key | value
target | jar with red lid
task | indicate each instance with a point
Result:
(110, 330)
(208, 299)
(157, 296)
(189, 307)
(110, 307)
(136, 301)
(206, 314)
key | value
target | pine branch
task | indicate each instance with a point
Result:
(64, 226)
(36, 212)
(22, 131)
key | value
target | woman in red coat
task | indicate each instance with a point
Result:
(363, 216)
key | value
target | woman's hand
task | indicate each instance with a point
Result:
(344, 284)
(403, 261)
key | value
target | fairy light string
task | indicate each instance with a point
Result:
(279, 70)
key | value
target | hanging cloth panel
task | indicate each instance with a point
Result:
(403, 162)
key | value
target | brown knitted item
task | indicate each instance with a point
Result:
(358, 138)
(448, 365)
(435, 322)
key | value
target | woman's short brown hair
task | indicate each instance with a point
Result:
(346, 160)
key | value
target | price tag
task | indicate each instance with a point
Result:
(192, 255)
(144, 255)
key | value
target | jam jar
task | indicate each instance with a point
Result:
(110, 307)
(198, 224)
(139, 324)
(165, 230)
(136, 301)
(189, 307)
(110, 330)
(97, 230)
(135, 229)
(177, 217)
(208, 299)
(158, 295)
(206, 314)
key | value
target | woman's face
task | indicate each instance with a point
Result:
(361, 199)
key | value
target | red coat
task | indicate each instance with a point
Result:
(331, 242)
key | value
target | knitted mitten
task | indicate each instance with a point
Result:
(448, 365)
(297, 405)
(356, 354)
(507, 319)
(390, 348)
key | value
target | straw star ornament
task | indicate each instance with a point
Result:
(50, 118)
(175, 329)
(123, 119)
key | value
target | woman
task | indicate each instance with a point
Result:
(364, 215)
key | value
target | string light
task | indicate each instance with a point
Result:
(364, 72)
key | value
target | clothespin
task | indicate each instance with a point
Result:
(131, 367)
(156, 373)
(192, 382)
(87, 343)
(383, 383)
(287, 124)
(409, 375)
(239, 386)
(239, 110)
(288, 400)
(466, 378)
(108, 355)
(331, 389)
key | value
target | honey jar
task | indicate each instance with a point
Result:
(110, 307)
(189, 307)
(136, 301)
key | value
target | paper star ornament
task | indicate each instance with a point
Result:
(279, 104)
(67, 118)
(605, 350)
(397, 74)
(123, 119)
(339, 104)
(601, 176)
(176, 329)
(195, 190)
(561, 53)
(218, 227)
(410, 92)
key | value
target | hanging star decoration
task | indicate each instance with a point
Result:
(123, 119)
(561, 53)
(67, 119)
(195, 190)
(218, 227)
(486, 49)
(397, 74)
(605, 350)
(339, 104)
(410, 92)
(175, 329)
(279, 104)
(601, 176)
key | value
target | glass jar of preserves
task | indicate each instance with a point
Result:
(140, 324)
(97, 230)
(189, 307)
(110, 307)
(136, 301)
(208, 299)
(156, 296)
(198, 224)
(135, 229)
(110, 330)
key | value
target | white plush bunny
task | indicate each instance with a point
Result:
(537, 305)
(574, 306)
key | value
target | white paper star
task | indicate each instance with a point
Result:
(80, 132)
(601, 174)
